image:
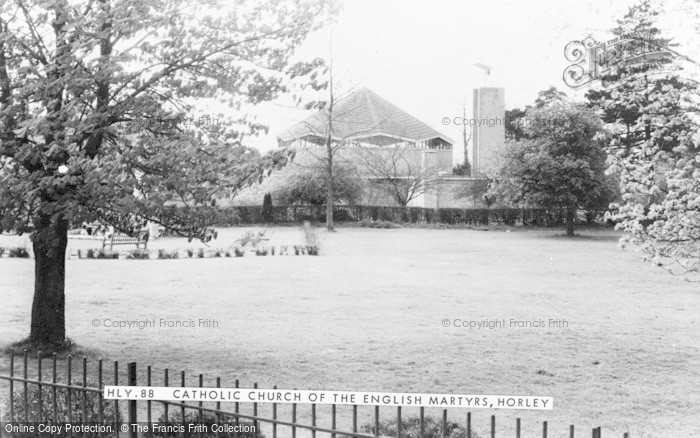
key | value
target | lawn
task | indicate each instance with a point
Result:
(367, 315)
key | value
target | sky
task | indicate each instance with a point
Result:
(420, 54)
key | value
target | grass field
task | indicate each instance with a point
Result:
(367, 314)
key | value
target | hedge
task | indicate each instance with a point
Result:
(244, 215)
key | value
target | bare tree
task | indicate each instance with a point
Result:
(336, 125)
(399, 172)
(465, 169)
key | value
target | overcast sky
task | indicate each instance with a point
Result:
(419, 54)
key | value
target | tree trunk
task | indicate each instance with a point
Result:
(570, 215)
(329, 192)
(329, 200)
(48, 326)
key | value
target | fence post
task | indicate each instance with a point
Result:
(444, 423)
(469, 425)
(398, 422)
(421, 423)
(131, 378)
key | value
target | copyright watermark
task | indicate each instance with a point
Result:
(501, 121)
(503, 323)
(141, 324)
(222, 429)
(182, 122)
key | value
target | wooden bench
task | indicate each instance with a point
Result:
(117, 238)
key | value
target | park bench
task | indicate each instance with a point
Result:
(116, 238)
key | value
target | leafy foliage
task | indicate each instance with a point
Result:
(167, 255)
(82, 134)
(138, 254)
(266, 213)
(251, 238)
(561, 164)
(410, 427)
(309, 185)
(655, 153)
(551, 94)
(369, 223)
(476, 191)
(96, 104)
(40, 407)
(513, 124)
(101, 254)
(19, 252)
(462, 169)
(176, 419)
(516, 120)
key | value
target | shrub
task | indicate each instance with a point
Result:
(102, 254)
(208, 418)
(266, 213)
(368, 223)
(312, 218)
(261, 251)
(200, 253)
(99, 254)
(342, 216)
(238, 252)
(251, 238)
(138, 254)
(312, 250)
(163, 254)
(19, 252)
(310, 236)
(190, 252)
(309, 185)
(2, 250)
(338, 216)
(218, 252)
(44, 411)
(410, 427)
(464, 169)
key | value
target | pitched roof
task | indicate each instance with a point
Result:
(363, 114)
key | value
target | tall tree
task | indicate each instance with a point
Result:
(652, 113)
(515, 118)
(95, 99)
(465, 168)
(551, 94)
(561, 163)
(324, 123)
(514, 124)
(341, 121)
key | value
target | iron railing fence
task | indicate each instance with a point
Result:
(57, 396)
